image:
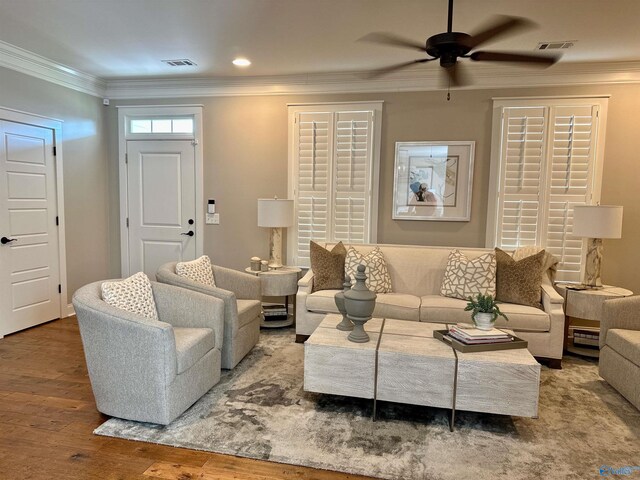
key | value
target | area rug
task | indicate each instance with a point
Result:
(260, 410)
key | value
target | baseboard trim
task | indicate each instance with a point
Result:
(70, 310)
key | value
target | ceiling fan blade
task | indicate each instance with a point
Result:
(500, 26)
(394, 68)
(514, 57)
(392, 40)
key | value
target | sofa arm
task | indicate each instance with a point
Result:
(623, 313)
(244, 285)
(305, 284)
(550, 295)
(189, 309)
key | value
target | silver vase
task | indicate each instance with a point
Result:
(345, 324)
(360, 303)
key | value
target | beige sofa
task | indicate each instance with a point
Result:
(620, 346)
(416, 274)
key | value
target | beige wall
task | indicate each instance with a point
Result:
(245, 150)
(85, 168)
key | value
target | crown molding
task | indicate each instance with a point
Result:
(482, 76)
(29, 63)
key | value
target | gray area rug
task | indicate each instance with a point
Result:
(260, 410)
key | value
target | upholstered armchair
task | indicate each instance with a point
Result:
(620, 346)
(241, 295)
(150, 370)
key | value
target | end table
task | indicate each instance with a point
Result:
(282, 282)
(583, 310)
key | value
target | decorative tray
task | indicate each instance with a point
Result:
(443, 336)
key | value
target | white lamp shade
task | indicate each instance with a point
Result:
(275, 212)
(597, 221)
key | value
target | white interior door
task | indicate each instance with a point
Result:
(29, 255)
(161, 203)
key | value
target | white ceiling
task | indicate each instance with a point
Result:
(129, 38)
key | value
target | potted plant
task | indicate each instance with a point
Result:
(484, 311)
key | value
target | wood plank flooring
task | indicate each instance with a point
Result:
(48, 414)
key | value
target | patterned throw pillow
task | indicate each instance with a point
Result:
(327, 266)
(464, 278)
(378, 279)
(132, 294)
(519, 281)
(198, 270)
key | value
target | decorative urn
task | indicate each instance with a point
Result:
(345, 324)
(359, 302)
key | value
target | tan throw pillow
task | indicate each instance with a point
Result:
(378, 278)
(327, 266)
(464, 278)
(198, 270)
(132, 294)
(519, 281)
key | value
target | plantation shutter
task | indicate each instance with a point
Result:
(521, 183)
(572, 162)
(313, 142)
(352, 172)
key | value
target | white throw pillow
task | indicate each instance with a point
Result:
(378, 279)
(464, 278)
(132, 294)
(198, 270)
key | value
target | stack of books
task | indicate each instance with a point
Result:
(469, 335)
(274, 312)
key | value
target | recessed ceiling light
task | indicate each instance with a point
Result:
(241, 62)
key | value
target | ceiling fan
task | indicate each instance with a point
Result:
(449, 46)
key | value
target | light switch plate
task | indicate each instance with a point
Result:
(212, 219)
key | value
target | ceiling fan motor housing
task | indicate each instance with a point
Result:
(448, 47)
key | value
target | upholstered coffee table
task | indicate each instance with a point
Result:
(404, 363)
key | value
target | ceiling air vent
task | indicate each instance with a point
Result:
(555, 45)
(182, 62)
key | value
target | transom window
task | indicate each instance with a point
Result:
(164, 125)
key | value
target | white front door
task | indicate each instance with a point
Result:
(161, 203)
(29, 255)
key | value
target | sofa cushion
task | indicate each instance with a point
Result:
(388, 305)
(248, 310)
(133, 294)
(327, 266)
(378, 279)
(440, 309)
(191, 345)
(626, 343)
(198, 270)
(464, 278)
(519, 281)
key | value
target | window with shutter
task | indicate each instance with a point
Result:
(548, 160)
(333, 169)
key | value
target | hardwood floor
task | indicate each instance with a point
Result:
(48, 414)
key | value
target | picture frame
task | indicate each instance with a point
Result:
(433, 181)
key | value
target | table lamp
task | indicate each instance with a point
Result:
(596, 222)
(277, 214)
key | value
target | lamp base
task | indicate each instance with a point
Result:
(593, 263)
(275, 248)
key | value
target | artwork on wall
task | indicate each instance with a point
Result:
(433, 181)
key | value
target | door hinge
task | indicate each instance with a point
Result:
(57, 221)
(59, 288)
(54, 151)
(126, 158)
(127, 222)
(194, 142)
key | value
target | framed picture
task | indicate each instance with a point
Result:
(433, 181)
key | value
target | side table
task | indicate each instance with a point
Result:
(583, 310)
(282, 282)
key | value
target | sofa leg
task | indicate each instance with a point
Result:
(555, 363)
(301, 338)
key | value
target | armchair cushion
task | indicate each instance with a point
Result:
(248, 310)
(626, 343)
(132, 294)
(198, 270)
(191, 345)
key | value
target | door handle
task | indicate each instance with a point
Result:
(5, 240)
(189, 233)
